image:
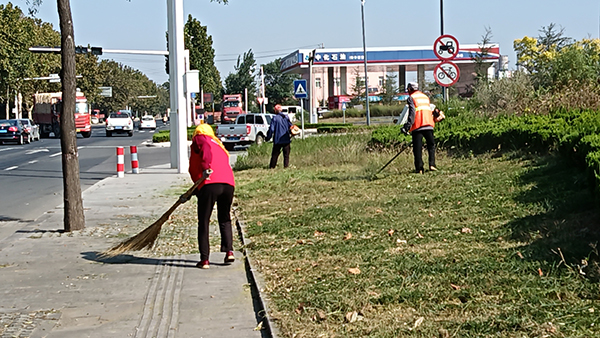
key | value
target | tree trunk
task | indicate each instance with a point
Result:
(74, 218)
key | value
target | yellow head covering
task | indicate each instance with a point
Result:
(205, 129)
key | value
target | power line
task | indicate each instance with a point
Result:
(271, 51)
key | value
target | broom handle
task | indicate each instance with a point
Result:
(186, 195)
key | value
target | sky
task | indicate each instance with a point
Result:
(275, 28)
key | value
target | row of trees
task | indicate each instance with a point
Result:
(18, 66)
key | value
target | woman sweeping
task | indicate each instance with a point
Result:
(208, 153)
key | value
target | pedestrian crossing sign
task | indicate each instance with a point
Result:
(300, 89)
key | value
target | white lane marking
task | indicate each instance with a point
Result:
(32, 162)
(54, 155)
(5, 149)
(29, 152)
(11, 168)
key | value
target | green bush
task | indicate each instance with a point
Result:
(374, 110)
(164, 135)
(573, 133)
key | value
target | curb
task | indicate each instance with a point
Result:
(257, 283)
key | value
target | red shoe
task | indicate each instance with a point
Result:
(203, 265)
(229, 258)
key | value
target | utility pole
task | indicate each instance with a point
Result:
(179, 151)
(74, 218)
(362, 10)
(311, 60)
(444, 89)
(262, 86)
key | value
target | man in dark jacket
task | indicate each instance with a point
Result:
(280, 132)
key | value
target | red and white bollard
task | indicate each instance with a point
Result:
(120, 162)
(135, 165)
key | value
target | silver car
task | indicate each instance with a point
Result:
(32, 129)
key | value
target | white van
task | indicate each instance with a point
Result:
(291, 112)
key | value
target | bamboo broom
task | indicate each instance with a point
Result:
(146, 238)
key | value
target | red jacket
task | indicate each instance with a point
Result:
(207, 154)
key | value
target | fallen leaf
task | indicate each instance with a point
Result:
(379, 211)
(351, 317)
(520, 255)
(373, 293)
(298, 269)
(391, 232)
(540, 272)
(319, 233)
(300, 241)
(430, 215)
(466, 231)
(300, 308)
(321, 315)
(259, 223)
(258, 327)
(348, 236)
(418, 322)
(401, 241)
(419, 235)
(458, 203)
(455, 287)
(354, 271)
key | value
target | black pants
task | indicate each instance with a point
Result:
(417, 138)
(275, 155)
(207, 196)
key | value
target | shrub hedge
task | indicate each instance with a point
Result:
(574, 133)
(164, 135)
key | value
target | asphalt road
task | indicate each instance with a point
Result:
(31, 175)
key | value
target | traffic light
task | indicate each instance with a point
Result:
(96, 50)
(81, 50)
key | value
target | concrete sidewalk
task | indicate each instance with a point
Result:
(53, 284)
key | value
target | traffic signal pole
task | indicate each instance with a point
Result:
(179, 152)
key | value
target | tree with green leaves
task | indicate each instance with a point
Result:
(481, 65)
(243, 78)
(202, 55)
(358, 88)
(553, 38)
(555, 61)
(390, 89)
(279, 87)
(17, 63)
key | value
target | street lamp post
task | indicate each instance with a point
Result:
(362, 11)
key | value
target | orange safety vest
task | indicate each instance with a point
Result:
(423, 114)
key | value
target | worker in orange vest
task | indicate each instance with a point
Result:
(420, 124)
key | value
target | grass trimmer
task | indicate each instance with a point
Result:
(405, 145)
(146, 238)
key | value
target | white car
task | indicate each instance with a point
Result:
(147, 122)
(120, 123)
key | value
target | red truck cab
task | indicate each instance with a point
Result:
(231, 107)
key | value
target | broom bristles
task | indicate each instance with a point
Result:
(146, 238)
(141, 241)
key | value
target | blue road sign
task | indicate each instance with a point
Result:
(300, 89)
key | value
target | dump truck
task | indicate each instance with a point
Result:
(46, 113)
